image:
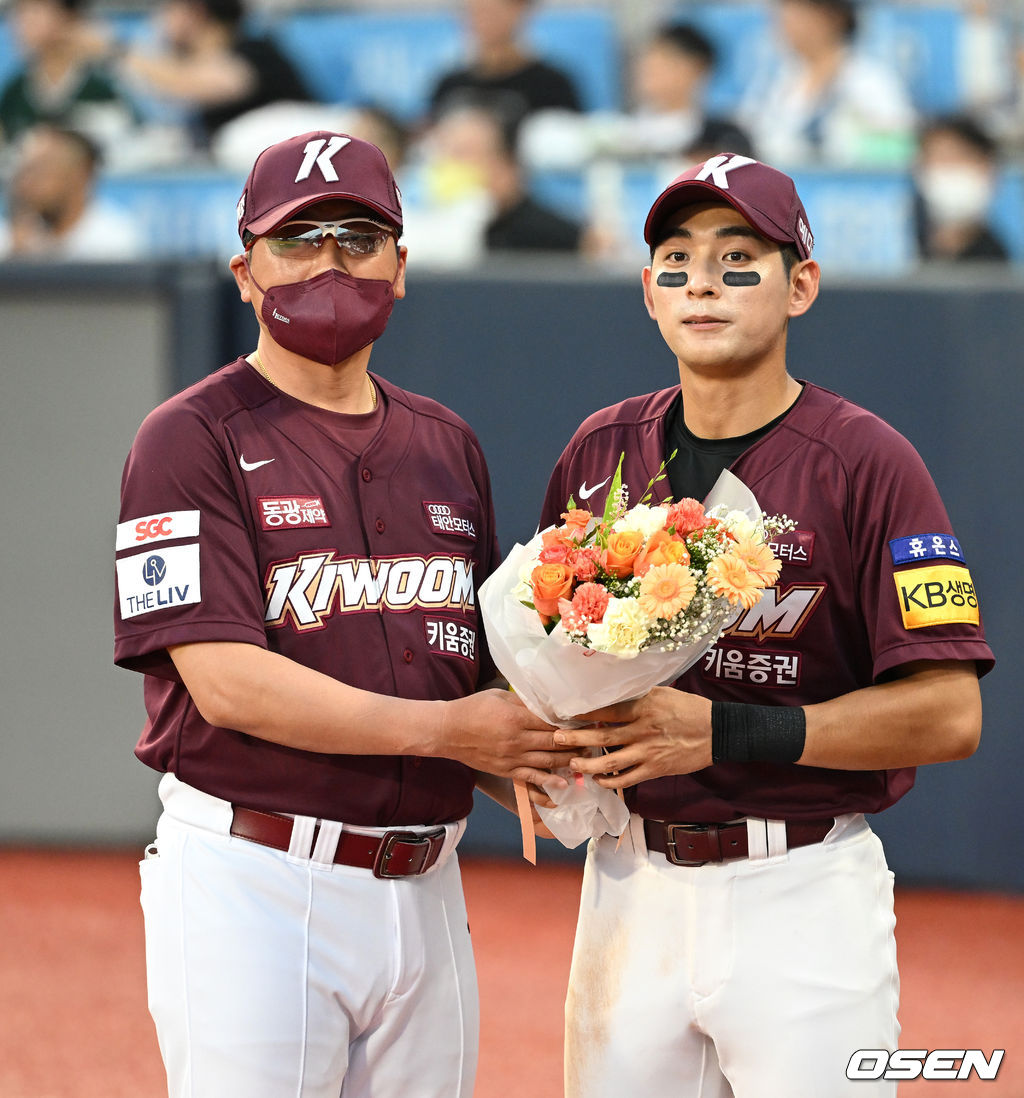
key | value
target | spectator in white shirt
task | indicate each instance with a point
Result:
(823, 101)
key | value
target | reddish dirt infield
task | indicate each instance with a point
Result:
(74, 1022)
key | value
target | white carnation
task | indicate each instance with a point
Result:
(645, 520)
(741, 526)
(623, 629)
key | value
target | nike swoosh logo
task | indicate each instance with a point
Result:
(586, 493)
(248, 466)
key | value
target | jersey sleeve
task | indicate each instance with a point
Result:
(186, 567)
(915, 583)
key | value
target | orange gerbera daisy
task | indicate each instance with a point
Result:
(727, 575)
(759, 559)
(666, 589)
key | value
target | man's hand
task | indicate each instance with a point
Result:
(665, 732)
(500, 790)
(493, 731)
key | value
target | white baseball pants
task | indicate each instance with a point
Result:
(753, 978)
(281, 975)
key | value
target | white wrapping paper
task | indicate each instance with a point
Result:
(558, 680)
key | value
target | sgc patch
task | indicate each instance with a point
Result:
(940, 595)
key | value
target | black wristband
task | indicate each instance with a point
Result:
(757, 733)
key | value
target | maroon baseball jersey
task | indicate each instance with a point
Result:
(351, 544)
(872, 578)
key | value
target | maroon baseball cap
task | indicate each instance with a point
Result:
(312, 167)
(766, 197)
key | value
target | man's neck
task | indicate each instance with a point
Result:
(728, 408)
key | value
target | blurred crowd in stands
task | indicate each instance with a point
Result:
(203, 85)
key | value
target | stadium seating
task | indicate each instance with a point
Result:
(391, 58)
(922, 43)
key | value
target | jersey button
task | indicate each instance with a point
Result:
(367, 475)
(407, 655)
(380, 525)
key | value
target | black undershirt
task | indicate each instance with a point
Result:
(699, 461)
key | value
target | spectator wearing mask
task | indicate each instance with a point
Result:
(60, 81)
(503, 74)
(821, 100)
(955, 176)
(52, 210)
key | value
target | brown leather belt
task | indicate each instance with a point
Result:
(698, 844)
(393, 854)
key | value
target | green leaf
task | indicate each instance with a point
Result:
(613, 493)
(658, 476)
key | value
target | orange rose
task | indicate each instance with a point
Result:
(662, 548)
(550, 583)
(622, 550)
(576, 520)
(554, 554)
(556, 536)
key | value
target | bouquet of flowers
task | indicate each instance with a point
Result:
(603, 608)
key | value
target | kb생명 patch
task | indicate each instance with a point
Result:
(940, 595)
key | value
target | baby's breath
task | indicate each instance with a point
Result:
(774, 525)
(620, 502)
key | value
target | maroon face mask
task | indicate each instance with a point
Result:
(329, 317)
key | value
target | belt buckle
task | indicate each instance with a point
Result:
(386, 849)
(711, 830)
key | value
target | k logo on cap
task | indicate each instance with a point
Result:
(313, 167)
(766, 197)
(718, 167)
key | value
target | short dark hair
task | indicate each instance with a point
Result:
(686, 38)
(964, 126)
(70, 6)
(790, 257)
(715, 135)
(228, 12)
(847, 9)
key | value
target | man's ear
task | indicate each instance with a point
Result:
(645, 278)
(804, 283)
(403, 253)
(240, 269)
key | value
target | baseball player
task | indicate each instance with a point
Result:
(739, 942)
(297, 557)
